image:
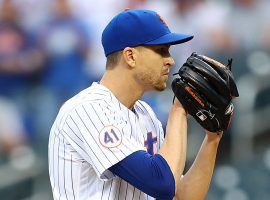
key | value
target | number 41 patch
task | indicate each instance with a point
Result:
(110, 136)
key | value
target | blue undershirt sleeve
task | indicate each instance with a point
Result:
(149, 173)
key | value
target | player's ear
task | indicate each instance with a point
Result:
(129, 55)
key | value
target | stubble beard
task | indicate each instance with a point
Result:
(160, 85)
(152, 83)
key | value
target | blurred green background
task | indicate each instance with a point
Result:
(51, 49)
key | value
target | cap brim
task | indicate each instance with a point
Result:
(171, 39)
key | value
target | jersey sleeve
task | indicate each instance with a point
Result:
(99, 133)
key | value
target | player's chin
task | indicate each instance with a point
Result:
(160, 86)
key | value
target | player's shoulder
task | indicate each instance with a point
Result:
(93, 96)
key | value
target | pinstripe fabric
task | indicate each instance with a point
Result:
(79, 145)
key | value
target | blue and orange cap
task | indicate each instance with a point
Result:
(132, 28)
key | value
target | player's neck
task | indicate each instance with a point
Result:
(122, 86)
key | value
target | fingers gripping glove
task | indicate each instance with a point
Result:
(206, 88)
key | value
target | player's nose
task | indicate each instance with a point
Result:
(170, 61)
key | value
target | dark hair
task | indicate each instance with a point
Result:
(113, 59)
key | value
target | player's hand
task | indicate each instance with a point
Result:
(206, 88)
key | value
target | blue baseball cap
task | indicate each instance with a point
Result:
(132, 28)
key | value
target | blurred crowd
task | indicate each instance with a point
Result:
(51, 49)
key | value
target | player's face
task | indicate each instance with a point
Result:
(154, 63)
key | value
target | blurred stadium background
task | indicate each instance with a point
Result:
(50, 49)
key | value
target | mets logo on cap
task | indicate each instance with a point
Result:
(110, 136)
(162, 19)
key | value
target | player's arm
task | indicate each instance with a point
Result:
(206, 89)
(149, 173)
(159, 175)
(195, 183)
(175, 142)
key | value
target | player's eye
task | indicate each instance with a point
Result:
(164, 51)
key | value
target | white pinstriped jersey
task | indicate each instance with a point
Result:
(92, 132)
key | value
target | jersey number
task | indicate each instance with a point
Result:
(110, 137)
